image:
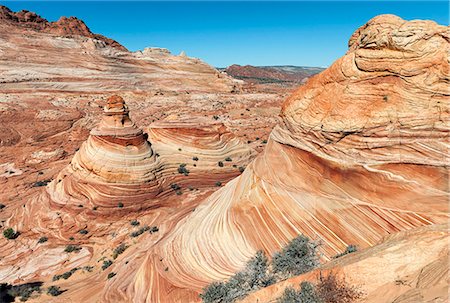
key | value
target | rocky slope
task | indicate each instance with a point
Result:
(360, 153)
(363, 151)
(63, 27)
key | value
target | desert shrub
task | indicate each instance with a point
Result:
(241, 169)
(134, 223)
(306, 294)
(195, 158)
(264, 141)
(220, 164)
(255, 275)
(154, 229)
(175, 186)
(8, 292)
(42, 240)
(106, 264)
(333, 290)
(10, 234)
(2, 206)
(41, 183)
(119, 250)
(65, 275)
(88, 268)
(179, 192)
(120, 205)
(297, 257)
(183, 170)
(228, 159)
(215, 293)
(111, 274)
(84, 231)
(290, 295)
(72, 248)
(54, 291)
(348, 250)
(218, 183)
(139, 232)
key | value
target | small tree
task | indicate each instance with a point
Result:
(215, 292)
(306, 294)
(297, 257)
(257, 271)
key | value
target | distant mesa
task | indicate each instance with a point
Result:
(283, 75)
(70, 26)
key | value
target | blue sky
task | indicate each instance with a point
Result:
(313, 33)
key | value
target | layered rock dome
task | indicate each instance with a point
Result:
(115, 163)
(361, 153)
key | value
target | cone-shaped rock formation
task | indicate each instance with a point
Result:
(115, 164)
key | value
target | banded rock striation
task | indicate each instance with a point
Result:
(361, 153)
(117, 175)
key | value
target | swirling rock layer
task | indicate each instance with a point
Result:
(360, 154)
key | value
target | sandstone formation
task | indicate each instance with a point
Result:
(361, 153)
(118, 174)
(65, 56)
(359, 157)
(63, 27)
(410, 266)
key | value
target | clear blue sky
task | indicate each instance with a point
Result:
(313, 33)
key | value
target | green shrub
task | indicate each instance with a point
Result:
(65, 275)
(134, 223)
(218, 183)
(215, 293)
(54, 291)
(297, 257)
(8, 292)
(72, 248)
(10, 234)
(254, 276)
(175, 186)
(42, 240)
(220, 164)
(228, 159)
(84, 232)
(195, 158)
(183, 170)
(154, 229)
(106, 264)
(140, 231)
(306, 294)
(2, 206)
(241, 169)
(120, 205)
(41, 183)
(111, 274)
(119, 250)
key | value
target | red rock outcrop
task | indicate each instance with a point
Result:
(361, 153)
(71, 26)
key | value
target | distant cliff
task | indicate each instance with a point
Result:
(287, 75)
